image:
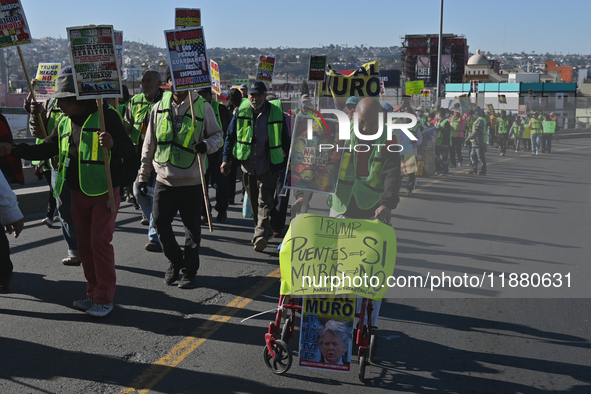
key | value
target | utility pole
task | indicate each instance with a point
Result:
(440, 44)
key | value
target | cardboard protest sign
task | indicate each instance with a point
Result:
(324, 255)
(502, 99)
(94, 62)
(265, 69)
(119, 49)
(317, 69)
(313, 167)
(414, 87)
(187, 17)
(474, 86)
(461, 104)
(187, 56)
(326, 334)
(526, 132)
(543, 102)
(490, 107)
(14, 29)
(548, 126)
(363, 82)
(215, 78)
(47, 73)
(522, 110)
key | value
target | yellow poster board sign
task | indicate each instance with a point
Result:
(526, 133)
(324, 255)
(364, 82)
(414, 87)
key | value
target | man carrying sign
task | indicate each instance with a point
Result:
(171, 147)
(259, 138)
(135, 122)
(76, 140)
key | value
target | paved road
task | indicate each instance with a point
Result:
(528, 215)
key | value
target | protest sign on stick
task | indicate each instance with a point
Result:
(187, 17)
(189, 69)
(47, 74)
(96, 74)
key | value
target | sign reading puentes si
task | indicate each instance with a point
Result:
(324, 255)
(187, 56)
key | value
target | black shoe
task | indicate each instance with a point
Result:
(153, 246)
(204, 220)
(172, 273)
(188, 282)
(5, 283)
(144, 221)
(222, 216)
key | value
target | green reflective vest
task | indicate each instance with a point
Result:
(140, 108)
(55, 114)
(503, 125)
(441, 124)
(535, 126)
(177, 149)
(366, 190)
(455, 127)
(245, 131)
(91, 163)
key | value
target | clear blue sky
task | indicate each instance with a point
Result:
(493, 26)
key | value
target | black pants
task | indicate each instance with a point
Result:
(279, 211)
(232, 179)
(5, 263)
(503, 140)
(217, 180)
(456, 150)
(167, 202)
(51, 203)
(410, 183)
(547, 142)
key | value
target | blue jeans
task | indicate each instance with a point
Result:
(535, 143)
(63, 203)
(146, 204)
(476, 155)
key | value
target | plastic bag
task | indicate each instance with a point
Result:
(246, 208)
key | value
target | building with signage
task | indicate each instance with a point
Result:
(420, 57)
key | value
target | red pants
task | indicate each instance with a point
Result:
(95, 225)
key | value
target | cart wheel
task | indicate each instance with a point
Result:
(285, 330)
(283, 362)
(373, 341)
(362, 364)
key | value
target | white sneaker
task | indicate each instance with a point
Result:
(48, 222)
(83, 305)
(100, 310)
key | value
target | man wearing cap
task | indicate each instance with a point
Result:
(244, 90)
(258, 137)
(172, 143)
(442, 144)
(350, 106)
(78, 141)
(213, 174)
(476, 138)
(51, 114)
(305, 101)
(535, 125)
(135, 121)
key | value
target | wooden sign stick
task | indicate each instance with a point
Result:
(39, 118)
(205, 196)
(99, 102)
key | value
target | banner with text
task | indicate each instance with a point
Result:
(14, 29)
(414, 87)
(187, 56)
(326, 333)
(119, 49)
(94, 62)
(311, 168)
(317, 69)
(47, 73)
(215, 78)
(187, 17)
(324, 255)
(363, 82)
(266, 69)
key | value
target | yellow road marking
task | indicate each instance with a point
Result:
(179, 352)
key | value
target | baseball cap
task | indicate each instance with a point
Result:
(257, 87)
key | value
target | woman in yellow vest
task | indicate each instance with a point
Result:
(79, 143)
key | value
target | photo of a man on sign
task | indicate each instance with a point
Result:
(334, 343)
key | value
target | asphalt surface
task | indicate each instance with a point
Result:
(528, 215)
